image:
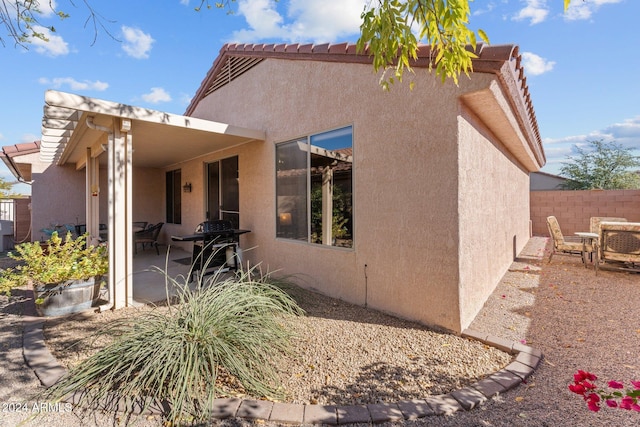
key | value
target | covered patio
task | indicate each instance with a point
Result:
(96, 135)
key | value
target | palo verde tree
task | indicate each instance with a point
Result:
(391, 29)
(605, 166)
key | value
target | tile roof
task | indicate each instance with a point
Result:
(8, 153)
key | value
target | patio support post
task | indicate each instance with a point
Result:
(327, 206)
(120, 217)
(92, 213)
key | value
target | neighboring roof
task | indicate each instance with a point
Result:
(22, 171)
(543, 181)
(550, 175)
(502, 60)
(72, 122)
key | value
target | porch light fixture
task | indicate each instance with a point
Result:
(186, 188)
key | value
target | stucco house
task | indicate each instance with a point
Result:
(413, 202)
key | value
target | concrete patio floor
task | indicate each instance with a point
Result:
(149, 281)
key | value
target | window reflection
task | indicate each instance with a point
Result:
(314, 188)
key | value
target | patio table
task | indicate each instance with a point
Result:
(587, 238)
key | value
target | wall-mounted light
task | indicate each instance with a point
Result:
(186, 188)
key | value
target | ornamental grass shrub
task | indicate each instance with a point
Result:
(172, 357)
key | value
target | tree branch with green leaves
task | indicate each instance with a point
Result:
(392, 30)
(603, 166)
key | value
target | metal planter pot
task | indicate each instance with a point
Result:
(59, 299)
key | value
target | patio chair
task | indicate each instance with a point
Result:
(564, 245)
(619, 246)
(140, 224)
(594, 222)
(148, 236)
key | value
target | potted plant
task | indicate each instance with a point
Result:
(66, 275)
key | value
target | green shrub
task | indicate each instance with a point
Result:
(54, 261)
(175, 355)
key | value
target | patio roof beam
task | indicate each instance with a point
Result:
(52, 112)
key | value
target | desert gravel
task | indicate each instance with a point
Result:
(577, 319)
(341, 354)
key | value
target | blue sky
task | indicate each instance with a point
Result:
(581, 66)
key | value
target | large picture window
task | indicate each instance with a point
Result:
(174, 197)
(314, 188)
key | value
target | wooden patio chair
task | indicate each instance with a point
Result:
(561, 244)
(148, 235)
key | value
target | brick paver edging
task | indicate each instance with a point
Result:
(49, 370)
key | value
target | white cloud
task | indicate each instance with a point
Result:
(535, 65)
(55, 46)
(185, 98)
(306, 20)
(535, 11)
(184, 2)
(48, 9)
(488, 8)
(156, 96)
(74, 84)
(625, 133)
(137, 44)
(581, 10)
(2, 137)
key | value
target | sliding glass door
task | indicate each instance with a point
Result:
(223, 191)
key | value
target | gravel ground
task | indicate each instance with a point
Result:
(578, 320)
(342, 354)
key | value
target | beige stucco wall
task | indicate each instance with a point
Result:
(148, 194)
(58, 195)
(493, 205)
(411, 252)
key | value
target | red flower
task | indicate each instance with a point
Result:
(612, 403)
(615, 384)
(636, 384)
(635, 407)
(592, 402)
(584, 375)
(588, 385)
(577, 388)
(627, 402)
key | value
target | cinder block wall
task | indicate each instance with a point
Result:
(574, 208)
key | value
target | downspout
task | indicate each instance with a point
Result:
(110, 302)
